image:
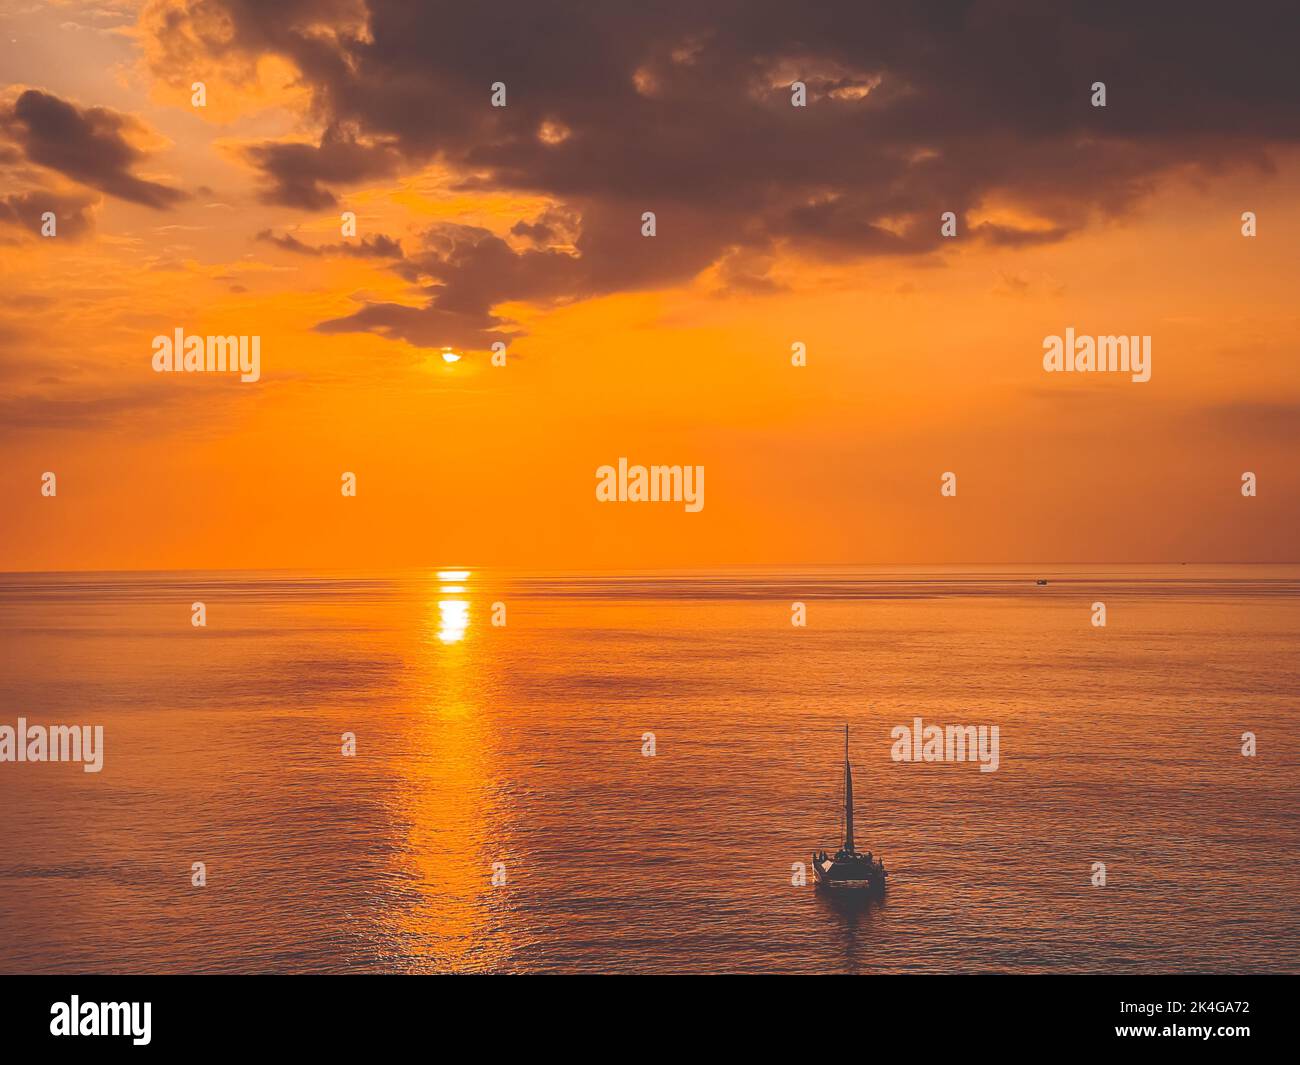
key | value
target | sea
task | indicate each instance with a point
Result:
(467, 770)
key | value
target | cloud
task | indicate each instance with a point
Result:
(427, 326)
(1250, 420)
(297, 171)
(72, 213)
(462, 272)
(1011, 237)
(685, 109)
(378, 246)
(70, 412)
(88, 145)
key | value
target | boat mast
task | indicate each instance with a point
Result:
(848, 796)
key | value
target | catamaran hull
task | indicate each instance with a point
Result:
(864, 887)
(847, 881)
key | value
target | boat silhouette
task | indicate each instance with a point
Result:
(848, 869)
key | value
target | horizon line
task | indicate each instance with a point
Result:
(571, 571)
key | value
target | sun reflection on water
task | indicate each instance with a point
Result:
(452, 800)
(453, 614)
(453, 617)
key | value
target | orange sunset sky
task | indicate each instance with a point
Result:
(776, 224)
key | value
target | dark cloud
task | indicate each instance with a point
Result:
(297, 171)
(72, 213)
(427, 326)
(377, 247)
(1010, 237)
(87, 145)
(64, 413)
(463, 271)
(684, 109)
(1251, 420)
(368, 247)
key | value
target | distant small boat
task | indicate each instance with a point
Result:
(848, 869)
(1041, 581)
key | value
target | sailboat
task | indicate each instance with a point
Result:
(848, 869)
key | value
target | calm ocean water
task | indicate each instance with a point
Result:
(522, 745)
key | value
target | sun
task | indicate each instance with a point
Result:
(448, 355)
